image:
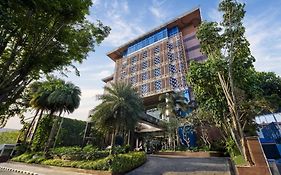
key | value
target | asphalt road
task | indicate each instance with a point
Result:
(156, 165)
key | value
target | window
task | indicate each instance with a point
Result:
(134, 60)
(123, 74)
(157, 60)
(158, 85)
(172, 68)
(157, 72)
(174, 82)
(144, 65)
(144, 54)
(170, 56)
(156, 50)
(169, 46)
(133, 80)
(144, 76)
(144, 88)
(133, 68)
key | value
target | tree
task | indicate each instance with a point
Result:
(172, 104)
(172, 108)
(64, 98)
(226, 85)
(39, 37)
(120, 109)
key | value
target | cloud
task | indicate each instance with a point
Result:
(117, 15)
(264, 34)
(157, 10)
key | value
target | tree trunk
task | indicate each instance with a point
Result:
(30, 126)
(129, 136)
(36, 126)
(52, 134)
(56, 138)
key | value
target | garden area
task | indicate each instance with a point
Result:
(89, 157)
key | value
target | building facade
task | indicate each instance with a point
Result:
(157, 62)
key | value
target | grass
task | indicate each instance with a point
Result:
(9, 137)
(239, 160)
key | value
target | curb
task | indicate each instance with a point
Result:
(18, 171)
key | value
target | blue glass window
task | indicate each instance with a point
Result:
(133, 68)
(146, 41)
(173, 31)
(171, 56)
(156, 50)
(158, 85)
(144, 76)
(157, 60)
(144, 88)
(134, 59)
(174, 82)
(133, 80)
(172, 68)
(157, 72)
(144, 65)
(144, 54)
(169, 46)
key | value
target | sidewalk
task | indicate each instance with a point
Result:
(50, 170)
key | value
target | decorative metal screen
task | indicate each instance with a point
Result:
(157, 72)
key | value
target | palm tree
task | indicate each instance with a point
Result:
(37, 96)
(64, 98)
(120, 109)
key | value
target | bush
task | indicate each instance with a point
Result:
(121, 149)
(76, 153)
(118, 164)
(126, 162)
(30, 157)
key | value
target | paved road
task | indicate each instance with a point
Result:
(43, 170)
(4, 172)
(156, 165)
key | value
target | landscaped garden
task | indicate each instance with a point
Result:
(88, 157)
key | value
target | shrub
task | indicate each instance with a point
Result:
(30, 157)
(23, 157)
(118, 164)
(126, 162)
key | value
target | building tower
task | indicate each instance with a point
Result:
(157, 62)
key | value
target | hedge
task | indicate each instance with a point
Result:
(120, 163)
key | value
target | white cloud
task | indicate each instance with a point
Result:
(157, 10)
(264, 34)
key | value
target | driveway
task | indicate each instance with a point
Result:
(157, 165)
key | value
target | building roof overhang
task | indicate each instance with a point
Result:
(190, 17)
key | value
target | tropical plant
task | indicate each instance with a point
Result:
(38, 38)
(64, 98)
(172, 104)
(119, 110)
(227, 85)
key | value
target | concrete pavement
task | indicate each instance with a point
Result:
(48, 170)
(4, 172)
(157, 165)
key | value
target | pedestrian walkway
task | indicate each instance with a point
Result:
(157, 165)
(48, 170)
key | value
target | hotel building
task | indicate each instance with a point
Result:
(157, 62)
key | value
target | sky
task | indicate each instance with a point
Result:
(131, 18)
